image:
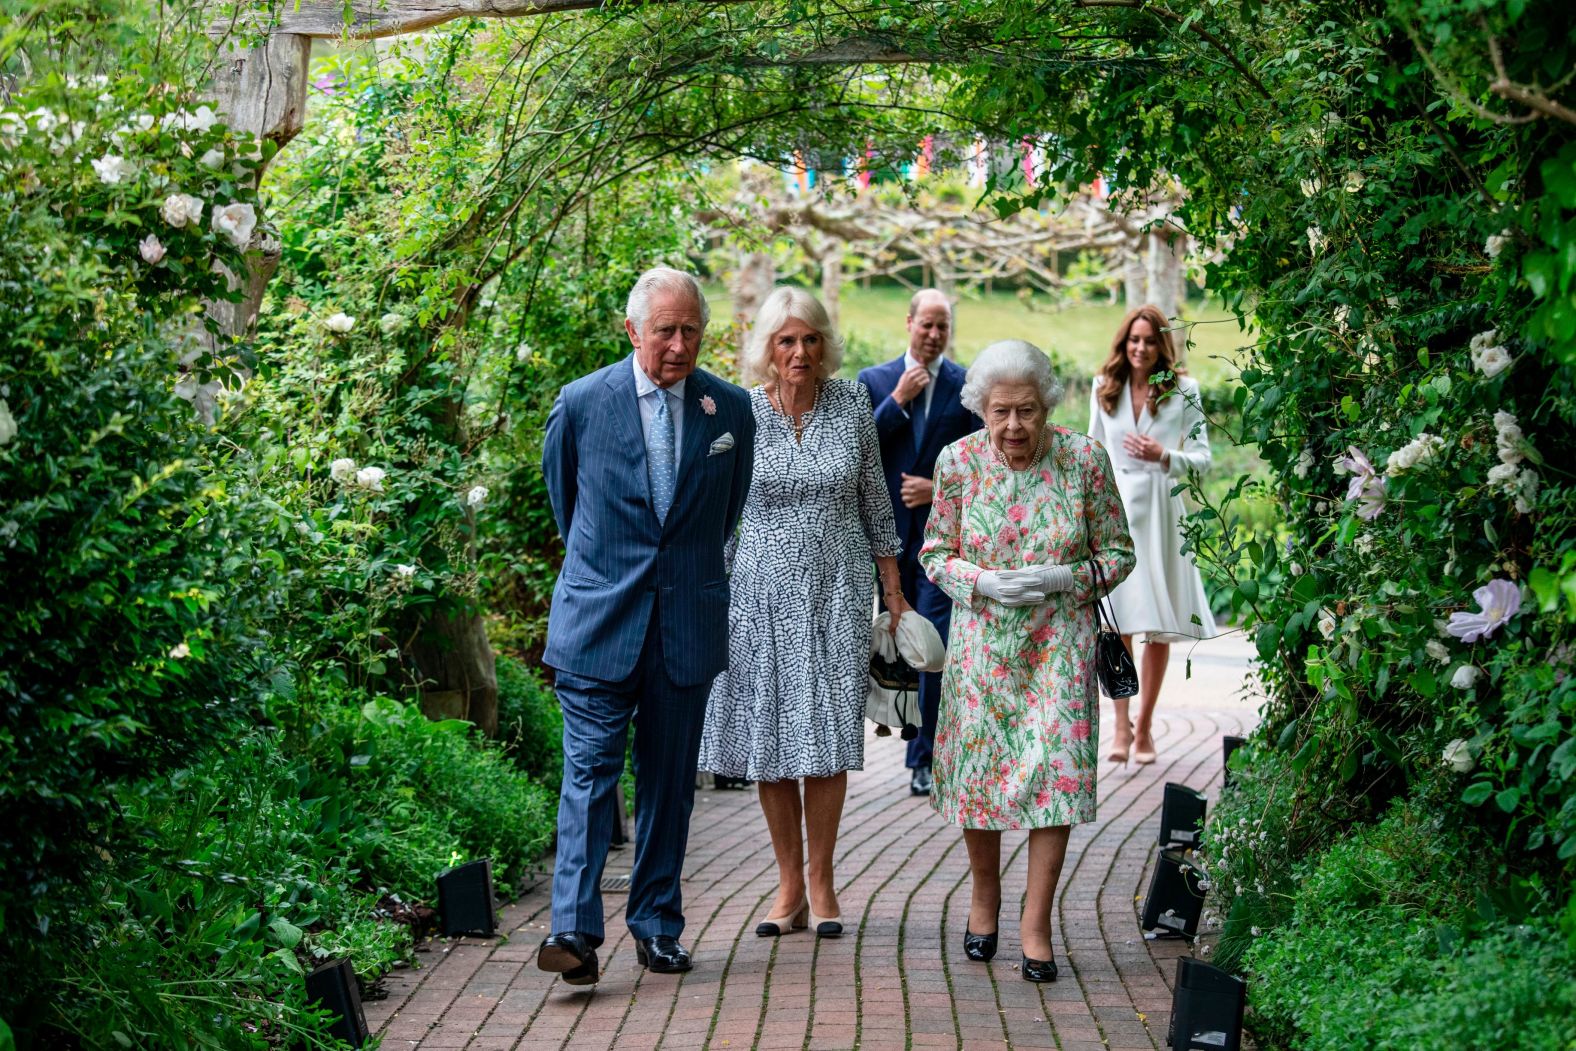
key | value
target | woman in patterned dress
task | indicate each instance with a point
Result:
(790, 705)
(1023, 513)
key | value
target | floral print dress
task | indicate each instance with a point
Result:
(1016, 738)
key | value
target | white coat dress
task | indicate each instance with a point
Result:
(1164, 594)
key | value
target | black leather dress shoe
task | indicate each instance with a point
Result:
(570, 955)
(1039, 970)
(919, 781)
(662, 954)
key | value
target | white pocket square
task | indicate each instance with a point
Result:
(721, 445)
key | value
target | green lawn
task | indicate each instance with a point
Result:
(1078, 337)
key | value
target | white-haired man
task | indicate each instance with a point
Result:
(647, 464)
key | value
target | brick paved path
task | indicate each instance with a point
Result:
(898, 980)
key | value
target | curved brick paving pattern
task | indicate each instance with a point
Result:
(899, 978)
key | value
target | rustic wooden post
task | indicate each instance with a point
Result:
(261, 93)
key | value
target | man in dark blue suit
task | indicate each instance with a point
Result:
(917, 415)
(647, 464)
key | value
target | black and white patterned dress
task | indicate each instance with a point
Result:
(791, 703)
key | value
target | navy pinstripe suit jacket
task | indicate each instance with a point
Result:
(620, 562)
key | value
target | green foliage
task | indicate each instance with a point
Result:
(1384, 950)
(530, 723)
(124, 560)
(412, 796)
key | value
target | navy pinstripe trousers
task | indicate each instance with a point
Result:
(667, 720)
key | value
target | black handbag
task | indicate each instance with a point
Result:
(1113, 665)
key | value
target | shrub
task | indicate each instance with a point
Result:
(530, 722)
(414, 796)
(1384, 950)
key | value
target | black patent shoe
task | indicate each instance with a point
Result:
(919, 783)
(662, 954)
(1039, 970)
(571, 956)
(981, 948)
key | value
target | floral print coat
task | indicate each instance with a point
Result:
(1016, 739)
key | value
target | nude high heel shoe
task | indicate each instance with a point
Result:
(1119, 755)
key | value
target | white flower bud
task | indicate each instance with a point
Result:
(1458, 757)
(339, 323)
(1465, 677)
(152, 251)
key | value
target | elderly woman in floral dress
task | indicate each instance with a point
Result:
(1024, 513)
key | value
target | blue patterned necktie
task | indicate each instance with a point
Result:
(659, 457)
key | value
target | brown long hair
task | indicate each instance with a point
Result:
(1115, 373)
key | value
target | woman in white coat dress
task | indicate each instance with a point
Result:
(1149, 418)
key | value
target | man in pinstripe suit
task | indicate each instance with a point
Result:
(647, 464)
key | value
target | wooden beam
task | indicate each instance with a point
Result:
(371, 19)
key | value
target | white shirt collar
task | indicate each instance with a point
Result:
(909, 361)
(644, 384)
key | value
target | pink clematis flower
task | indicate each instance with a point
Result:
(1499, 599)
(1366, 487)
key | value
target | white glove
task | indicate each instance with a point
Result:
(1049, 579)
(1003, 587)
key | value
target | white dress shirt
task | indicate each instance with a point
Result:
(934, 368)
(646, 398)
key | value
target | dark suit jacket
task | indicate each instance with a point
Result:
(948, 421)
(620, 563)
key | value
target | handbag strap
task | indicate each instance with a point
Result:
(1102, 594)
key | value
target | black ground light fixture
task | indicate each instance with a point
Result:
(333, 988)
(1206, 1008)
(1229, 744)
(1181, 816)
(465, 899)
(1176, 896)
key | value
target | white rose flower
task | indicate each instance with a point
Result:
(7, 423)
(181, 209)
(1465, 677)
(339, 323)
(1327, 625)
(1354, 181)
(343, 470)
(1317, 242)
(1491, 361)
(112, 169)
(1342, 312)
(200, 121)
(1419, 450)
(371, 478)
(1526, 489)
(302, 528)
(180, 651)
(152, 251)
(1310, 187)
(1304, 463)
(1484, 339)
(1458, 757)
(1502, 474)
(405, 570)
(391, 323)
(522, 352)
(1436, 650)
(214, 158)
(1495, 244)
(1505, 425)
(477, 496)
(1364, 543)
(235, 221)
